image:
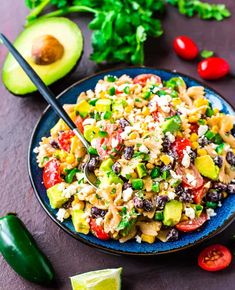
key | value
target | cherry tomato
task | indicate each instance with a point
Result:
(64, 140)
(180, 145)
(51, 173)
(192, 225)
(185, 47)
(214, 258)
(142, 79)
(213, 68)
(78, 122)
(105, 146)
(199, 194)
(192, 170)
(98, 230)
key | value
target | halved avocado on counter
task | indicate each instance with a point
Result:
(51, 46)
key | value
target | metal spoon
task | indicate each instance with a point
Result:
(51, 100)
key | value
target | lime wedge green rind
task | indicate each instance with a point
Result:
(107, 279)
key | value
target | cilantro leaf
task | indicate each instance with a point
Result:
(207, 53)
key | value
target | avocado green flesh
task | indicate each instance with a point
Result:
(55, 196)
(206, 166)
(172, 213)
(66, 32)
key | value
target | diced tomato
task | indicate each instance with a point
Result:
(118, 92)
(104, 146)
(192, 170)
(192, 225)
(142, 79)
(194, 127)
(64, 140)
(199, 194)
(78, 122)
(98, 230)
(51, 173)
(180, 145)
(214, 258)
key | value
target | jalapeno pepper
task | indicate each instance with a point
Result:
(21, 252)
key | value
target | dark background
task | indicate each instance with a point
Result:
(17, 119)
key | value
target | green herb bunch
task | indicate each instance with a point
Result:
(121, 27)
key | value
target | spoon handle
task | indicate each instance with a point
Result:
(43, 89)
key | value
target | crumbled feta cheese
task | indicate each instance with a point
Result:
(202, 130)
(138, 239)
(114, 143)
(186, 160)
(136, 126)
(171, 194)
(127, 194)
(188, 149)
(36, 150)
(163, 100)
(61, 214)
(219, 204)
(143, 149)
(61, 186)
(182, 110)
(100, 87)
(88, 121)
(90, 94)
(210, 212)
(94, 142)
(69, 191)
(174, 175)
(190, 212)
(191, 179)
(170, 137)
(126, 131)
(99, 221)
(152, 106)
(166, 109)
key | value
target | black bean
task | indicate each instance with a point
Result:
(97, 212)
(230, 157)
(220, 187)
(54, 144)
(184, 194)
(161, 200)
(192, 155)
(116, 167)
(126, 185)
(233, 131)
(123, 123)
(213, 195)
(128, 152)
(68, 203)
(218, 160)
(203, 141)
(231, 188)
(147, 205)
(166, 144)
(173, 235)
(138, 202)
(93, 163)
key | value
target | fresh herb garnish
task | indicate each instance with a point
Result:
(207, 53)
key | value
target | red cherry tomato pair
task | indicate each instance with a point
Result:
(98, 230)
(211, 68)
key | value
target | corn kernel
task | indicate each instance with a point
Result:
(216, 110)
(165, 159)
(102, 95)
(179, 134)
(225, 195)
(134, 175)
(215, 129)
(193, 137)
(61, 155)
(150, 166)
(128, 109)
(183, 218)
(200, 102)
(194, 118)
(195, 145)
(70, 158)
(176, 102)
(134, 135)
(145, 111)
(201, 152)
(147, 238)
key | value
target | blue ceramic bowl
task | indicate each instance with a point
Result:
(225, 214)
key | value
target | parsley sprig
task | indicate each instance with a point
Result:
(121, 27)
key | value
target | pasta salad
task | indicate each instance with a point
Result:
(163, 156)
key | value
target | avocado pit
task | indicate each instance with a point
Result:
(46, 49)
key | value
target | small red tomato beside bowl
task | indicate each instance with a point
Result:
(185, 47)
(213, 68)
(214, 258)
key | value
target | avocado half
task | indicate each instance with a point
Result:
(59, 33)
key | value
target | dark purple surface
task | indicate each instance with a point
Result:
(17, 119)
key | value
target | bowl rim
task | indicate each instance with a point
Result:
(81, 239)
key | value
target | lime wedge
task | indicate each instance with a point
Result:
(107, 279)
